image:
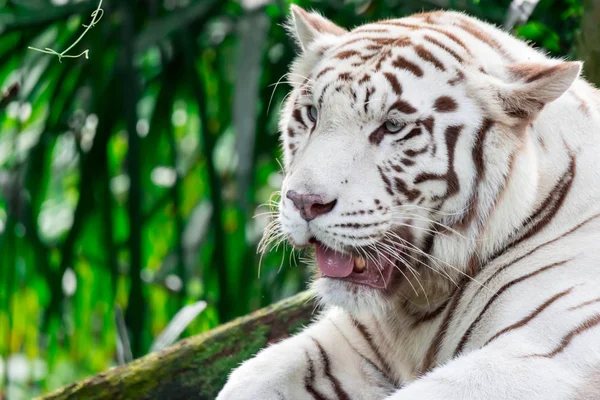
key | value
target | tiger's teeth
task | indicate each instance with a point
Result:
(359, 264)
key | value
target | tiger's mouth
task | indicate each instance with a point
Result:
(374, 270)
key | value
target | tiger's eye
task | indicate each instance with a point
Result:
(313, 113)
(393, 127)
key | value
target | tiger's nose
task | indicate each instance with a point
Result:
(310, 205)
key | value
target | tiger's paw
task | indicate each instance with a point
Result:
(243, 390)
(261, 384)
(275, 373)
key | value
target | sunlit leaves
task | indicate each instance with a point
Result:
(539, 32)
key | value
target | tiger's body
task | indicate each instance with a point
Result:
(468, 159)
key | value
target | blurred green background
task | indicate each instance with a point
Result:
(131, 183)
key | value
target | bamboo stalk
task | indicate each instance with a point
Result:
(136, 305)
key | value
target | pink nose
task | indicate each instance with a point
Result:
(310, 205)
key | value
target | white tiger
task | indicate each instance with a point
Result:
(445, 173)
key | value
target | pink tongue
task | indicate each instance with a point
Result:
(334, 264)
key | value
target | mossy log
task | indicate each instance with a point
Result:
(196, 367)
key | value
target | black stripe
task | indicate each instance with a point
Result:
(467, 335)
(309, 380)
(430, 315)
(297, 114)
(432, 352)
(584, 326)
(413, 133)
(373, 365)
(537, 311)
(322, 95)
(337, 386)
(369, 339)
(386, 181)
(516, 260)
(452, 182)
(587, 303)
(442, 46)
(550, 207)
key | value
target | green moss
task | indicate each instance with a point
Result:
(196, 367)
(243, 347)
(226, 355)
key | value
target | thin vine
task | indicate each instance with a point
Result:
(96, 16)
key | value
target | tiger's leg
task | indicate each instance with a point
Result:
(508, 371)
(328, 360)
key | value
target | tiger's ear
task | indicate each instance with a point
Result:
(533, 85)
(306, 26)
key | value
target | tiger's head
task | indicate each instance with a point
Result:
(406, 154)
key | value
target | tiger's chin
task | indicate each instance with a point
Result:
(354, 298)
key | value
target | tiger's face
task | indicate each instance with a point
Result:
(383, 151)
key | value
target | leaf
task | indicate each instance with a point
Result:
(124, 355)
(177, 325)
(532, 30)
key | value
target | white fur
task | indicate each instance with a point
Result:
(524, 160)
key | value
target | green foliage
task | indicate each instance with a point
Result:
(132, 179)
(553, 26)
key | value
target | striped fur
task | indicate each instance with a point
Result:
(487, 200)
